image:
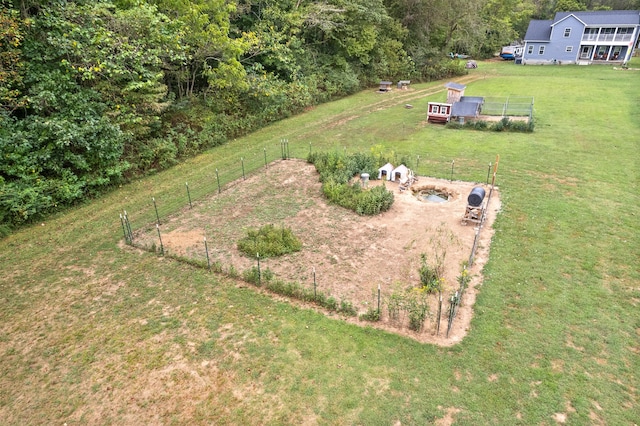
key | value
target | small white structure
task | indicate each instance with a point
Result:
(364, 178)
(400, 174)
(385, 171)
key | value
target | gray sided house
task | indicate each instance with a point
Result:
(591, 37)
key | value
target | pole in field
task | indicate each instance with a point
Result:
(488, 172)
(218, 179)
(378, 300)
(451, 301)
(206, 249)
(128, 225)
(259, 273)
(315, 293)
(418, 162)
(452, 164)
(124, 231)
(188, 194)
(156, 209)
(439, 315)
(242, 161)
(309, 147)
(160, 238)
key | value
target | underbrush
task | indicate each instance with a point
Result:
(269, 241)
(336, 171)
(504, 125)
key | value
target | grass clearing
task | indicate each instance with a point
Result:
(93, 334)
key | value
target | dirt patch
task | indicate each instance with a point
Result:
(351, 255)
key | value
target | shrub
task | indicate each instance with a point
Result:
(371, 315)
(428, 276)
(395, 305)
(252, 275)
(336, 170)
(501, 125)
(417, 308)
(331, 303)
(269, 241)
(347, 308)
(233, 272)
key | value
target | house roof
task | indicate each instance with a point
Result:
(455, 86)
(539, 30)
(465, 109)
(387, 166)
(603, 17)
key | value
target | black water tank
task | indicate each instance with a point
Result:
(476, 196)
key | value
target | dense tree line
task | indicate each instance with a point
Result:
(93, 93)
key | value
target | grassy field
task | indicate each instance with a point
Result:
(94, 333)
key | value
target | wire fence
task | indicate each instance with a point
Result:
(218, 179)
(515, 106)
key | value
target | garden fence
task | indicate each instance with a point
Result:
(259, 160)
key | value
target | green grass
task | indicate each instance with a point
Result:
(96, 334)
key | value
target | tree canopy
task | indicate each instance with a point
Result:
(93, 93)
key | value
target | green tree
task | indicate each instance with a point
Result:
(11, 65)
(569, 5)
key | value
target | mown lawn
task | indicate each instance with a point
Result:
(95, 333)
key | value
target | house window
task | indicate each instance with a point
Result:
(541, 50)
(569, 49)
(530, 50)
(567, 32)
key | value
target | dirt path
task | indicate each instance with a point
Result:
(387, 100)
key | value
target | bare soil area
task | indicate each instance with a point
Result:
(351, 255)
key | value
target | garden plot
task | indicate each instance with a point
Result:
(351, 255)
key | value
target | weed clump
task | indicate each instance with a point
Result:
(269, 241)
(336, 171)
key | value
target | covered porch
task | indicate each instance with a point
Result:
(602, 53)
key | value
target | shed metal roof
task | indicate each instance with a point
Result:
(475, 99)
(455, 86)
(465, 109)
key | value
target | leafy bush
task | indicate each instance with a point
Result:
(501, 125)
(395, 305)
(269, 241)
(417, 307)
(371, 315)
(347, 308)
(336, 170)
(505, 124)
(331, 303)
(428, 276)
(256, 277)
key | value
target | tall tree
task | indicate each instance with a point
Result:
(11, 65)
